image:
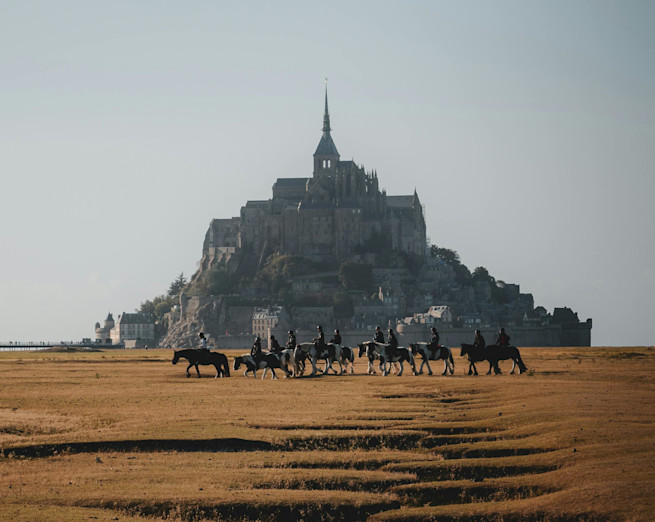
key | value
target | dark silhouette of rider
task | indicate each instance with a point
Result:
(503, 339)
(434, 340)
(256, 350)
(320, 339)
(291, 342)
(393, 342)
(479, 342)
(378, 337)
(275, 346)
(337, 338)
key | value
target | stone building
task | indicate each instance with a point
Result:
(329, 215)
(103, 334)
(129, 327)
(133, 327)
(268, 318)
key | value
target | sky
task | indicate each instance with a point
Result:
(527, 129)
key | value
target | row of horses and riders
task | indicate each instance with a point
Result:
(293, 359)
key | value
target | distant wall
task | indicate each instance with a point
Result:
(552, 335)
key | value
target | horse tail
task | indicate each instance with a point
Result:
(450, 357)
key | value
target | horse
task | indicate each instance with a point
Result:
(386, 354)
(287, 358)
(330, 352)
(492, 353)
(348, 359)
(268, 360)
(370, 349)
(399, 354)
(203, 357)
(431, 353)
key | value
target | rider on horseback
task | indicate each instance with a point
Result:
(478, 342)
(291, 342)
(379, 336)
(320, 340)
(275, 346)
(503, 339)
(203, 342)
(434, 340)
(256, 350)
(393, 342)
(337, 338)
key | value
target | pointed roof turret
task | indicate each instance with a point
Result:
(326, 146)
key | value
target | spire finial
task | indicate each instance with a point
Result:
(326, 116)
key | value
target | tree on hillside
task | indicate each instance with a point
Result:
(177, 286)
(481, 274)
(445, 254)
(158, 307)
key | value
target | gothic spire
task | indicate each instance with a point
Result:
(326, 155)
(326, 115)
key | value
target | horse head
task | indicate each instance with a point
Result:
(237, 362)
(362, 349)
(176, 357)
(464, 350)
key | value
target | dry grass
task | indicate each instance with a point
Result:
(124, 434)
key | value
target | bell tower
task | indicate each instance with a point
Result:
(326, 157)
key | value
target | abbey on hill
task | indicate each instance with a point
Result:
(334, 249)
(326, 217)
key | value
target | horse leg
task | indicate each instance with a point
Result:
(490, 366)
(313, 361)
(427, 363)
(197, 371)
(187, 370)
(445, 367)
(218, 371)
(402, 367)
(273, 372)
(513, 366)
(475, 370)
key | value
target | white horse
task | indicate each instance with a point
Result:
(330, 352)
(431, 353)
(399, 354)
(373, 351)
(287, 359)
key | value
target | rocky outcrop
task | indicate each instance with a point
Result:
(197, 314)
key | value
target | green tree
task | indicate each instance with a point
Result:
(178, 285)
(445, 254)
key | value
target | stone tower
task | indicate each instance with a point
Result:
(326, 157)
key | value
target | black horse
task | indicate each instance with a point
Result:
(204, 357)
(492, 353)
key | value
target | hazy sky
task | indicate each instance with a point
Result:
(527, 128)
